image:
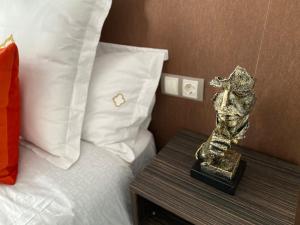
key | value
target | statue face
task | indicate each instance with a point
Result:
(235, 100)
(227, 106)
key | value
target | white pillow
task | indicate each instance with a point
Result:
(57, 40)
(122, 88)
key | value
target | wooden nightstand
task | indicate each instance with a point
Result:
(267, 193)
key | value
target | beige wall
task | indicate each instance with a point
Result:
(206, 38)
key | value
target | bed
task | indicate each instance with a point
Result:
(84, 109)
(92, 192)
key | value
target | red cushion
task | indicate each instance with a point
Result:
(9, 112)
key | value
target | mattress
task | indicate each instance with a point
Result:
(144, 150)
(94, 191)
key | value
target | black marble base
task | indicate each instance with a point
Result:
(223, 184)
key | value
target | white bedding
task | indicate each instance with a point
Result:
(92, 192)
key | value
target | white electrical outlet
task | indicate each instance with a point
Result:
(190, 88)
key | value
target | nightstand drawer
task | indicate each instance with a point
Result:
(152, 214)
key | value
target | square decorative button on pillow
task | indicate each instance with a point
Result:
(9, 111)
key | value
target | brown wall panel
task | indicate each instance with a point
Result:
(208, 38)
(277, 113)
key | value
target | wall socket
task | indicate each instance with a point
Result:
(182, 86)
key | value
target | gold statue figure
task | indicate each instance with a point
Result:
(233, 105)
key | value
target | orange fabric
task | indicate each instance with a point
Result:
(9, 113)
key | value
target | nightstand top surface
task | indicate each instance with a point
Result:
(267, 193)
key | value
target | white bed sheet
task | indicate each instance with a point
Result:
(92, 192)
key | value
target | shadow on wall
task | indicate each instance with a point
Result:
(127, 16)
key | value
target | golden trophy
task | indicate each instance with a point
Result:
(217, 163)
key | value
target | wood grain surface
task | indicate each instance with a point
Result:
(267, 193)
(297, 222)
(210, 37)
